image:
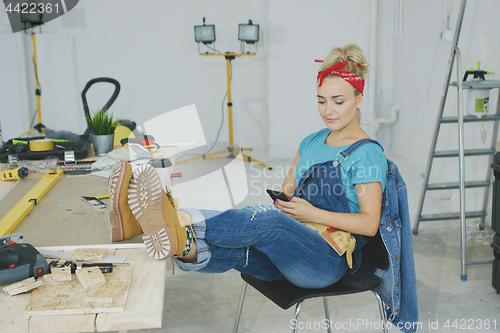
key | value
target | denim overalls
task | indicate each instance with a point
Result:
(321, 185)
(398, 287)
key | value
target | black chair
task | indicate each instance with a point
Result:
(284, 294)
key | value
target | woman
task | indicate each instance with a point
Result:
(336, 182)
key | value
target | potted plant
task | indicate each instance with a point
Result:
(102, 128)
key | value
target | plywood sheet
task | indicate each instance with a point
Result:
(12, 318)
(90, 276)
(61, 274)
(58, 298)
(85, 254)
(22, 286)
(144, 308)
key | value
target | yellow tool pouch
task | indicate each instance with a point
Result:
(341, 241)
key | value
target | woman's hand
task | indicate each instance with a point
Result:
(297, 208)
(366, 222)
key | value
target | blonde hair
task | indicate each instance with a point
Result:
(353, 54)
(350, 52)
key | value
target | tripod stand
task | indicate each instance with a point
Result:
(230, 150)
(39, 127)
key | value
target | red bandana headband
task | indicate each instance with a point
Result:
(352, 78)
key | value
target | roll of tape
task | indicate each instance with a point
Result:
(41, 145)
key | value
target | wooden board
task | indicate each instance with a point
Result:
(22, 286)
(147, 288)
(143, 309)
(61, 324)
(105, 293)
(85, 254)
(62, 298)
(61, 274)
(12, 317)
(89, 277)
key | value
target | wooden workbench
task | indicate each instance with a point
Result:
(62, 219)
(143, 309)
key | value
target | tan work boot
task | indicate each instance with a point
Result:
(184, 218)
(164, 236)
(122, 223)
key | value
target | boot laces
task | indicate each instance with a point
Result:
(170, 199)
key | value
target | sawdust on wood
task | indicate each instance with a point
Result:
(88, 254)
(61, 274)
(90, 276)
(58, 298)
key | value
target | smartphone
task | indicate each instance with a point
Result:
(277, 195)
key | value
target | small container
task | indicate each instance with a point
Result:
(478, 98)
(102, 144)
(478, 102)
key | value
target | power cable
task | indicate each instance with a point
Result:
(222, 121)
(212, 48)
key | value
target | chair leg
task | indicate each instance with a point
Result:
(240, 307)
(296, 317)
(381, 309)
(327, 314)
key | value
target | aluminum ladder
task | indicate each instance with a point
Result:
(461, 153)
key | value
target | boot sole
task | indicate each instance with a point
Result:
(145, 197)
(116, 179)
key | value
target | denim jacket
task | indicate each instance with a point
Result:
(398, 287)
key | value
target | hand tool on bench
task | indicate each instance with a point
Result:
(105, 267)
(20, 261)
(14, 174)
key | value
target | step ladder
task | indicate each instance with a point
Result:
(461, 153)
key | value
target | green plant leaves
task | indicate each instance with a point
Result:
(101, 122)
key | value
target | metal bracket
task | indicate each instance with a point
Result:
(12, 161)
(69, 157)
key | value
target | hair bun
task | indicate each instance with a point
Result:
(357, 62)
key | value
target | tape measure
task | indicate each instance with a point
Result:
(41, 145)
(14, 174)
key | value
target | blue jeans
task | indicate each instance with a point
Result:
(263, 242)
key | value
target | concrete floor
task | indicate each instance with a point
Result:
(197, 302)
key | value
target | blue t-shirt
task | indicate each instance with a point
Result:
(367, 164)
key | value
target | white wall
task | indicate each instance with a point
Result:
(152, 53)
(298, 35)
(14, 100)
